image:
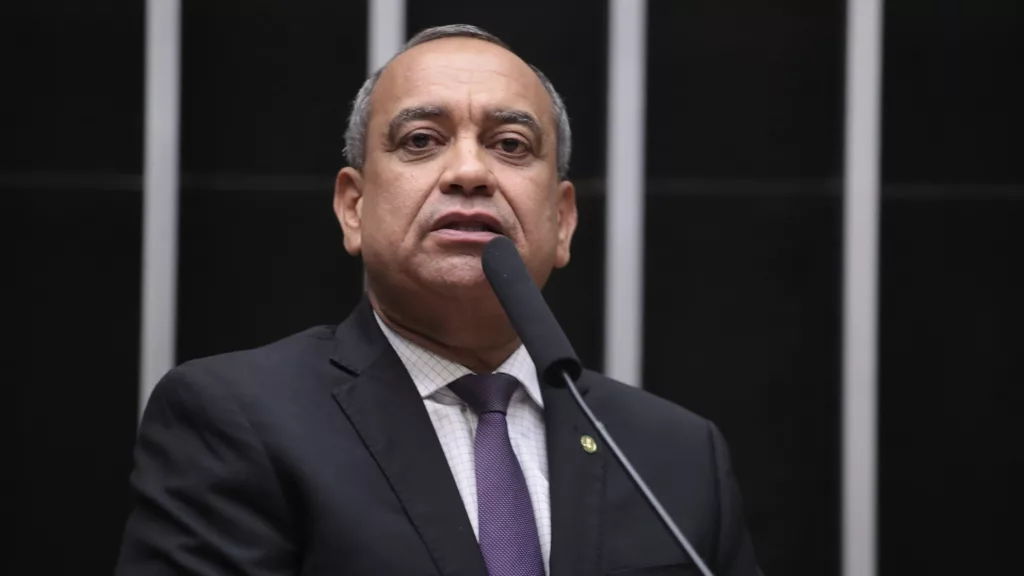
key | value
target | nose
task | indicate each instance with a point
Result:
(467, 171)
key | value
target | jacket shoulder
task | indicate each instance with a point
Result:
(639, 407)
(317, 340)
(299, 356)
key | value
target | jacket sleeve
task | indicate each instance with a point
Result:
(735, 551)
(207, 499)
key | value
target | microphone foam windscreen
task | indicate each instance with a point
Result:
(528, 312)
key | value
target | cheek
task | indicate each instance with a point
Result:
(392, 204)
(537, 213)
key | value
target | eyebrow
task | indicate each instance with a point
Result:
(496, 116)
(520, 117)
(411, 114)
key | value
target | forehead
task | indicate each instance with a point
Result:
(464, 74)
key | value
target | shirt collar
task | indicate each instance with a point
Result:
(432, 373)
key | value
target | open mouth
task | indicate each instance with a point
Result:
(469, 223)
(470, 227)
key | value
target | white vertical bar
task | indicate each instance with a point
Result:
(860, 269)
(385, 35)
(386, 32)
(624, 227)
(160, 194)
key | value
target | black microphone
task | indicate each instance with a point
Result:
(554, 357)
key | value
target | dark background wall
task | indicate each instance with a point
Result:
(265, 93)
(72, 165)
(743, 234)
(952, 242)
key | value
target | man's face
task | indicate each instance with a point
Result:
(461, 146)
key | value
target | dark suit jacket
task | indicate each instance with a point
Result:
(315, 455)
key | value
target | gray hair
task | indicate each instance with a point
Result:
(359, 119)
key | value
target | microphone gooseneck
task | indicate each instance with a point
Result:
(555, 359)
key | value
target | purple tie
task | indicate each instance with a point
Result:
(508, 529)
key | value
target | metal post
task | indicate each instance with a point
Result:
(860, 268)
(624, 228)
(160, 194)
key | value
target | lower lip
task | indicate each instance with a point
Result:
(467, 236)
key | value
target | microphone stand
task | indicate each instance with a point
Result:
(635, 477)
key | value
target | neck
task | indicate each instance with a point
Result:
(477, 337)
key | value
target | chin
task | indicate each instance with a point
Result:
(462, 284)
(461, 277)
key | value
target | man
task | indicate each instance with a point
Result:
(415, 437)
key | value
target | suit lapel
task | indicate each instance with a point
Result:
(382, 403)
(576, 486)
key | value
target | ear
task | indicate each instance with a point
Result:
(567, 219)
(348, 205)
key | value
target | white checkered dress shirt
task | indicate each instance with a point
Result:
(455, 424)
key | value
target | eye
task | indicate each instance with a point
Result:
(420, 141)
(512, 146)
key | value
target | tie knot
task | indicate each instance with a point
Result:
(485, 392)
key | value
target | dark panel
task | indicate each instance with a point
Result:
(742, 321)
(266, 86)
(77, 106)
(567, 40)
(952, 95)
(576, 293)
(745, 89)
(950, 373)
(258, 266)
(74, 129)
(742, 288)
(950, 376)
(76, 412)
(266, 93)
